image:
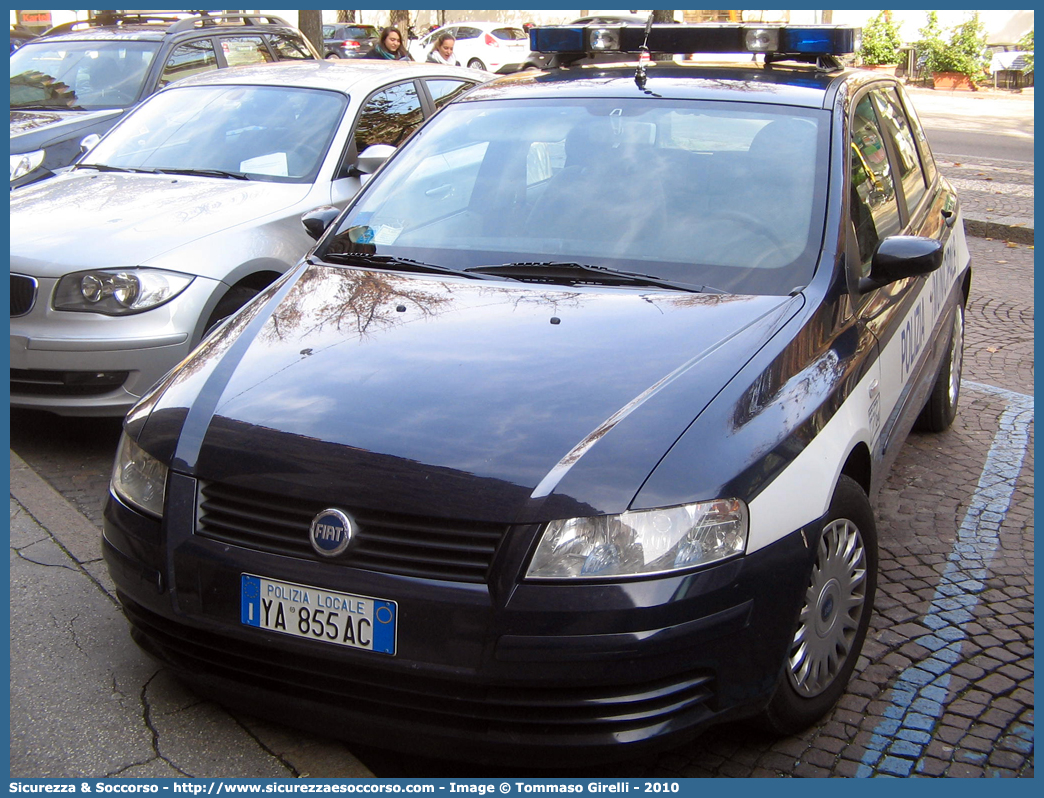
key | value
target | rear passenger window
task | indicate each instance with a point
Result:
(189, 59)
(875, 210)
(389, 117)
(927, 161)
(896, 124)
(244, 50)
(288, 48)
(446, 91)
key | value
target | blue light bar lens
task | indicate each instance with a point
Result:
(818, 41)
(557, 40)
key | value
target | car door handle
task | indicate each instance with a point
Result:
(950, 217)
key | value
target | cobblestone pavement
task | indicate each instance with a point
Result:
(996, 196)
(944, 686)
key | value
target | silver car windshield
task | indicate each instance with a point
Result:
(727, 195)
(69, 75)
(263, 132)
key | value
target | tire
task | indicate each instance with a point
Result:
(333, 57)
(237, 296)
(827, 640)
(474, 63)
(941, 408)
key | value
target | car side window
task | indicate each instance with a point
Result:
(389, 117)
(191, 58)
(244, 50)
(446, 91)
(927, 161)
(875, 209)
(891, 113)
(288, 48)
(467, 33)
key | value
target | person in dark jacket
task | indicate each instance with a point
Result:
(390, 47)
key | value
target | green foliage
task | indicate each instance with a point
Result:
(1026, 43)
(881, 41)
(963, 52)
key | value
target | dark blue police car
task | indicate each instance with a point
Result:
(564, 436)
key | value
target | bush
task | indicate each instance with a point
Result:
(881, 41)
(1026, 43)
(963, 53)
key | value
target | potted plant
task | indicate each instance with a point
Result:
(881, 45)
(953, 64)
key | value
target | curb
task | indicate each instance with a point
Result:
(1019, 234)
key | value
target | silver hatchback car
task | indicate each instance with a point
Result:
(187, 209)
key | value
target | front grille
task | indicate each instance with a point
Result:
(458, 551)
(513, 711)
(23, 294)
(35, 382)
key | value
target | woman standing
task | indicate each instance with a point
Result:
(443, 51)
(389, 47)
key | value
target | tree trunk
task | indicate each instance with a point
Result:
(663, 16)
(311, 24)
(346, 16)
(401, 20)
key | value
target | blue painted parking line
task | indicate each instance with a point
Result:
(919, 693)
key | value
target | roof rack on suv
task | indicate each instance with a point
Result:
(177, 20)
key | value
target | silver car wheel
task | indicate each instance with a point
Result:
(833, 606)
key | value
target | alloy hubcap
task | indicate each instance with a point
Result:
(830, 616)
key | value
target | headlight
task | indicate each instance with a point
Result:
(25, 162)
(642, 542)
(118, 292)
(139, 478)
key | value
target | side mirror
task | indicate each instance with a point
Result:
(899, 257)
(316, 222)
(373, 157)
(88, 143)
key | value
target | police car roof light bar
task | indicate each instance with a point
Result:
(776, 40)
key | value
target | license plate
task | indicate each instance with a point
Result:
(318, 614)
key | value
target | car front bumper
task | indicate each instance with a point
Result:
(559, 671)
(87, 364)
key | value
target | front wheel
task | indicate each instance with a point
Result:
(941, 408)
(835, 614)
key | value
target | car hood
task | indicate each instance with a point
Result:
(470, 399)
(26, 122)
(99, 219)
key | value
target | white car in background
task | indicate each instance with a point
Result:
(491, 46)
(189, 207)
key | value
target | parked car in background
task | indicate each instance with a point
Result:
(188, 208)
(81, 77)
(491, 46)
(349, 40)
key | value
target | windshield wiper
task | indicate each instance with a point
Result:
(48, 108)
(101, 167)
(581, 272)
(400, 264)
(201, 172)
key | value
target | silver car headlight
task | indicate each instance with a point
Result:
(23, 163)
(118, 292)
(642, 542)
(139, 478)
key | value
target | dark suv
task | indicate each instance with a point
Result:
(79, 78)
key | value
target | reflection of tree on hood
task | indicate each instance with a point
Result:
(38, 88)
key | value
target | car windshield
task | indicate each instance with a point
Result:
(729, 195)
(62, 75)
(265, 132)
